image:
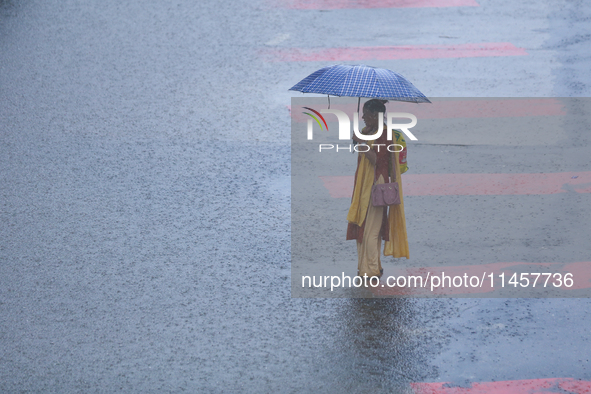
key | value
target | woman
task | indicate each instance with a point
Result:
(368, 225)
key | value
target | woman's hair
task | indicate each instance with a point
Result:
(375, 105)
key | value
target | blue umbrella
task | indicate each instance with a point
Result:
(360, 81)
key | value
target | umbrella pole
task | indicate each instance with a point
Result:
(358, 102)
(328, 95)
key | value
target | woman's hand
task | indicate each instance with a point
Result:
(358, 140)
(364, 131)
(371, 156)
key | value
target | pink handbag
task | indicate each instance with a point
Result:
(385, 194)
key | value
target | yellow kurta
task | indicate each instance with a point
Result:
(397, 244)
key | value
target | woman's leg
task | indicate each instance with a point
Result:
(368, 251)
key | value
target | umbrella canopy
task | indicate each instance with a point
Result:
(360, 81)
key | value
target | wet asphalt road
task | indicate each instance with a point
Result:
(145, 202)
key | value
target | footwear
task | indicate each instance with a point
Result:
(379, 276)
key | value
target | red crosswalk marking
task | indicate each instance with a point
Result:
(580, 271)
(392, 52)
(527, 386)
(344, 4)
(475, 184)
(453, 109)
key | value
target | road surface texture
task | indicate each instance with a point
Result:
(145, 198)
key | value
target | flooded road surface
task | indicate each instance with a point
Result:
(145, 199)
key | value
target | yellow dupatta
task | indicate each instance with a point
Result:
(397, 245)
(362, 191)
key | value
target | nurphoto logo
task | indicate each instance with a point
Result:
(345, 129)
